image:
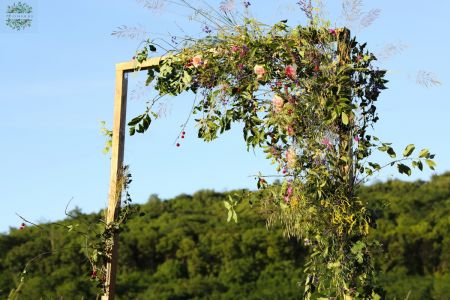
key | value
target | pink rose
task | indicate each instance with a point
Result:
(277, 103)
(259, 71)
(291, 71)
(197, 60)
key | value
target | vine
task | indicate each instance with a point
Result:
(101, 247)
(97, 244)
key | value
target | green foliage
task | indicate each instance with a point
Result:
(108, 135)
(183, 249)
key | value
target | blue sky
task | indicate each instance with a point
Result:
(57, 83)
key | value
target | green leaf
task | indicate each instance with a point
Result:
(186, 77)
(404, 169)
(235, 219)
(375, 166)
(430, 163)
(375, 296)
(420, 165)
(227, 205)
(408, 150)
(344, 118)
(135, 120)
(140, 129)
(391, 152)
(424, 153)
(146, 122)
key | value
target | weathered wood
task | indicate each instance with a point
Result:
(115, 183)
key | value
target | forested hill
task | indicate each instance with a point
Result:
(183, 248)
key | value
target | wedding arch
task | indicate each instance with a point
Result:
(306, 95)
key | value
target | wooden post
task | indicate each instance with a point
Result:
(115, 183)
(117, 153)
(346, 133)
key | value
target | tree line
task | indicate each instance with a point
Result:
(183, 248)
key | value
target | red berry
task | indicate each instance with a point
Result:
(178, 144)
(23, 225)
(20, 228)
(183, 133)
(134, 57)
(182, 136)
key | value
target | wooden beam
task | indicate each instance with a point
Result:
(116, 177)
(130, 66)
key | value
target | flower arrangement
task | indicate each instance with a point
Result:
(307, 96)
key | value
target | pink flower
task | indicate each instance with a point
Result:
(277, 103)
(356, 138)
(289, 191)
(291, 71)
(332, 31)
(326, 142)
(291, 157)
(290, 130)
(235, 48)
(286, 199)
(197, 60)
(259, 71)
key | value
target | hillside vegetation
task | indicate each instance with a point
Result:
(183, 248)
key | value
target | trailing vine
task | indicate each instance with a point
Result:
(97, 236)
(101, 247)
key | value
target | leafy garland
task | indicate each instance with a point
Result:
(306, 95)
